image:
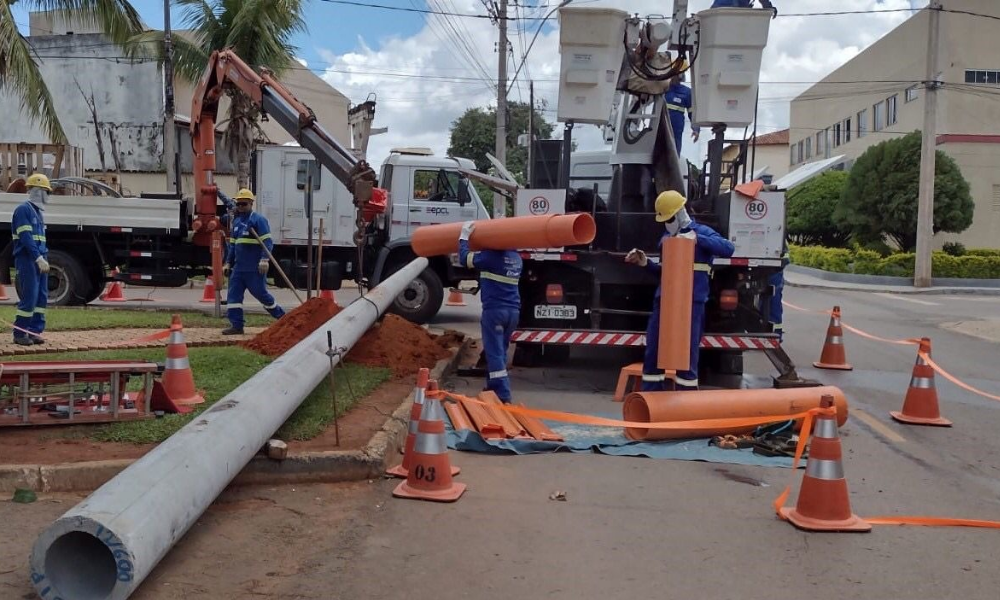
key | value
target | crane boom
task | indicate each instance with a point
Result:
(224, 69)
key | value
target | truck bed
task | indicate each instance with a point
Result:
(100, 213)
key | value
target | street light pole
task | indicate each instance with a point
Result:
(922, 273)
(169, 131)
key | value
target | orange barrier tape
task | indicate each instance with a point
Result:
(906, 342)
(565, 417)
(954, 379)
(159, 335)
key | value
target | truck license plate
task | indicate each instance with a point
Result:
(555, 311)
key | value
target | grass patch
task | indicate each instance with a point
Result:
(218, 371)
(82, 318)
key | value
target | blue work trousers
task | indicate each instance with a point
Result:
(498, 325)
(239, 283)
(33, 296)
(653, 377)
(776, 310)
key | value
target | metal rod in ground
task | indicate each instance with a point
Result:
(108, 544)
(333, 390)
(319, 258)
(274, 262)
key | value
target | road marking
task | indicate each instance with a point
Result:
(877, 426)
(973, 299)
(905, 299)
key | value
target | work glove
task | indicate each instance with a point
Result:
(636, 257)
(262, 266)
(43, 265)
(467, 229)
(691, 235)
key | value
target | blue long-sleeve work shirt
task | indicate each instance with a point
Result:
(28, 228)
(499, 274)
(245, 253)
(708, 246)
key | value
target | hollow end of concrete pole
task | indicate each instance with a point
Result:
(70, 561)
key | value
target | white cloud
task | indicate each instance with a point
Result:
(302, 61)
(426, 81)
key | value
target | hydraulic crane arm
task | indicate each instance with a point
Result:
(224, 69)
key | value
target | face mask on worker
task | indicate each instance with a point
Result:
(679, 221)
(38, 196)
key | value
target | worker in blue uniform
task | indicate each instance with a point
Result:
(247, 262)
(679, 104)
(499, 273)
(31, 262)
(777, 283)
(708, 245)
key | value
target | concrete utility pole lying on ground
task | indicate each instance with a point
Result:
(108, 544)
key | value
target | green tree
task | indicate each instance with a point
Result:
(880, 198)
(809, 210)
(474, 134)
(258, 31)
(18, 67)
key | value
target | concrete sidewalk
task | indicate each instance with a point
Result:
(796, 277)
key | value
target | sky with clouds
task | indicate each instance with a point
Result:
(427, 69)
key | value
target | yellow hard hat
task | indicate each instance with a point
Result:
(40, 181)
(244, 194)
(668, 204)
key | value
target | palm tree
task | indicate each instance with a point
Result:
(19, 67)
(259, 31)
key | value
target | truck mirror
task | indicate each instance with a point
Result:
(464, 197)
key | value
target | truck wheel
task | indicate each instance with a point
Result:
(421, 300)
(68, 281)
(96, 287)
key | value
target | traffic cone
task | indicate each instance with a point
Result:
(419, 394)
(833, 355)
(178, 381)
(113, 293)
(455, 298)
(328, 295)
(920, 407)
(3, 293)
(429, 476)
(824, 503)
(209, 294)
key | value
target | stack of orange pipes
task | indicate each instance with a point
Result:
(487, 417)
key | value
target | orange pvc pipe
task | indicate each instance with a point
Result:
(459, 420)
(483, 422)
(659, 407)
(676, 291)
(537, 429)
(511, 427)
(545, 231)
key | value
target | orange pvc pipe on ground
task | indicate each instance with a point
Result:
(676, 292)
(545, 231)
(665, 407)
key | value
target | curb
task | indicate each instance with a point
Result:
(329, 466)
(877, 284)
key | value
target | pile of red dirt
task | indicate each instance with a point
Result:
(293, 327)
(395, 343)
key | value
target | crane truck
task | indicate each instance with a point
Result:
(161, 240)
(587, 296)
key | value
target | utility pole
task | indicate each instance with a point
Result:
(531, 132)
(499, 209)
(928, 150)
(169, 131)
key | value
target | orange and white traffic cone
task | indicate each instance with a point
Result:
(429, 476)
(328, 295)
(402, 470)
(920, 407)
(824, 503)
(455, 298)
(3, 293)
(178, 381)
(113, 292)
(209, 294)
(833, 355)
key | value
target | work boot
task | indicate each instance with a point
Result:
(37, 340)
(233, 331)
(23, 341)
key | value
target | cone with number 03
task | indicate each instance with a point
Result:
(429, 476)
(419, 393)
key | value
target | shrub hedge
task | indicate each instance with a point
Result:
(975, 264)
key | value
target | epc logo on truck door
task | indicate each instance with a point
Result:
(756, 209)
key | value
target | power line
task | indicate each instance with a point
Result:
(416, 10)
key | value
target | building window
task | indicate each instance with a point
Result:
(982, 76)
(791, 158)
(996, 199)
(826, 143)
(878, 111)
(809, 148)
(819, 144)
(836, 135)
(801, 147)
(890, 111)
(863, 123)
(847, 130)
(912, 93)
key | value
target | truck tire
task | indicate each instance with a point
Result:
(421, 300)
(69, 284)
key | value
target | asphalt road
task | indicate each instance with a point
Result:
(634, 527)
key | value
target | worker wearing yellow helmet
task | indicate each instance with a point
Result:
(247, 262)
(709, 244)
(31, 262)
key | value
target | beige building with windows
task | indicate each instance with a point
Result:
(768, 152)
(879, 94)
